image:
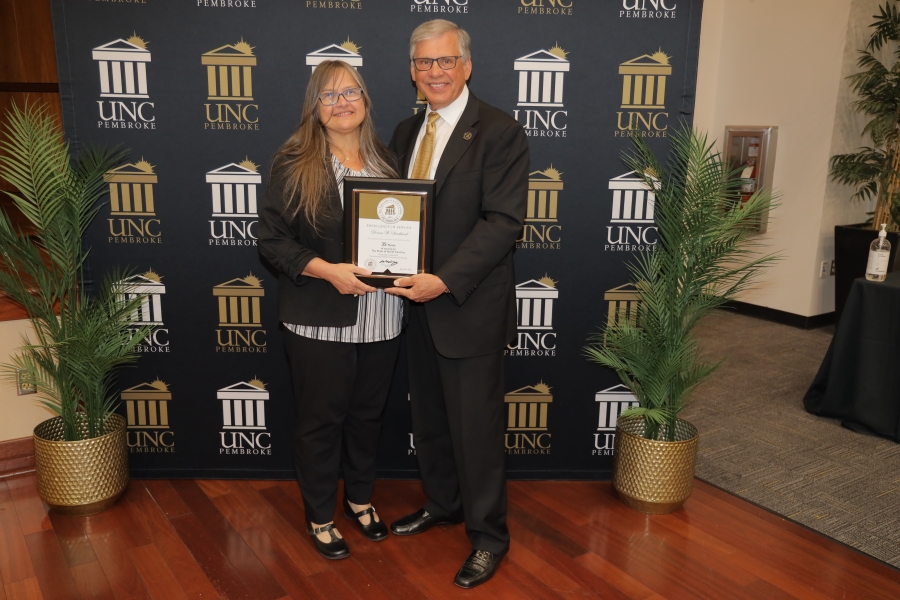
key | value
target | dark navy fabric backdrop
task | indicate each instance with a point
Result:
(202, 92)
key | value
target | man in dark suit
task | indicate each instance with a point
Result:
(463, 315)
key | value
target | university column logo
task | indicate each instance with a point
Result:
(123, 85)
(625, 304)
(542, 230)
(545, 7)
(631, 226)
(644, 96)
(541, 76)
(234, 204)
(229, 85)
(147, 412)
(535, 300)
(150, 289)
(347, 52)
(526, 422)
(240, 322)
(612, 403)
(132, 204)
(244, 419)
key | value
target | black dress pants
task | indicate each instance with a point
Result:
(458, 426)
(340, 390)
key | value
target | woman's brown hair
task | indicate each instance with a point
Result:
(304, 160)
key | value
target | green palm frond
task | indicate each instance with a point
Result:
(80, 340)
(706, 255)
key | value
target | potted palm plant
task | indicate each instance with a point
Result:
(874, 170)
(705, 256)
(81, 454)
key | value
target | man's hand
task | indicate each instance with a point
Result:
(418, 288)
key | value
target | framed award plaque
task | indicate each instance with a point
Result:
(388, 227)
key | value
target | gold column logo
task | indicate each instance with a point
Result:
(229, 72)
(240, 315)
(239, 302)
(131, 189)
(347, 52)
(624, 305)
(229, 87)
(644, 81)
(147, 413)
(644, 96)
(541, 230)
(527, 420)
(543, 195)
(132, 204)
(528, 407)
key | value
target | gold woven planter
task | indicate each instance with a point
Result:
(654, 476)
(81, 477)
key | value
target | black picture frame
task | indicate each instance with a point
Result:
(424, 188)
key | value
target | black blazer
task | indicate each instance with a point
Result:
(289, 244)
(482, 191)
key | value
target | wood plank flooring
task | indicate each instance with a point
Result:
(187, 539)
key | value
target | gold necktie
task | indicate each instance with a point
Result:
(426, 149)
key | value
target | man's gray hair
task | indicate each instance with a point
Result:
(436, 28)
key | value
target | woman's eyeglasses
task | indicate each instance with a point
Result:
(332, 98)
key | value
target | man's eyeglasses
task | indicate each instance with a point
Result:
(332, 98)
(444, 62)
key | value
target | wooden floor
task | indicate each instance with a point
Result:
(245, 539)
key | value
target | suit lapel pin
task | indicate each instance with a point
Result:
(467, 135)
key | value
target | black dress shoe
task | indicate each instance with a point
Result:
(477, 569)
(420, 522)
(375, 531)
(332, 550)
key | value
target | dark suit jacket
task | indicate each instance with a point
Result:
(289, 244)
(482, 189)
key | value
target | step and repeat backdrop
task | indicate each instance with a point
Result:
(202, 93)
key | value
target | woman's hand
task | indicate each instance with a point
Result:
(341, 275)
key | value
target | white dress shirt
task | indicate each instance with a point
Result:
(449, 116)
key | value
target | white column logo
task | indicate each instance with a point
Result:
(534, 303)
(234, 189)
(541, 76)
(347, 52)
(244, 405)
(123, 68)
(632, 200)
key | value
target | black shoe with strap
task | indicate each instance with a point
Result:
(478, 568)
(375, 530)
(334, 549)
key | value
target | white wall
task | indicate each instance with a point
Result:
(20, 414)
(771, 62)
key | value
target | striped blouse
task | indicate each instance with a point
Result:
(380, 315)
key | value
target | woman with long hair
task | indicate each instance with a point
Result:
(342, 335)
